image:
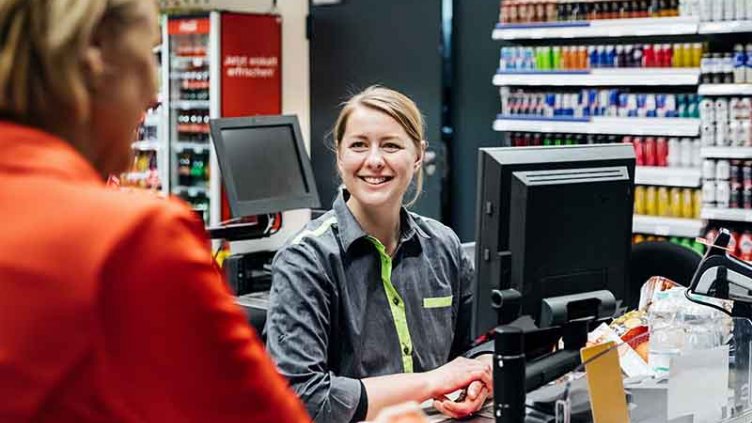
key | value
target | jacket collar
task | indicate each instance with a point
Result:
(351, 231)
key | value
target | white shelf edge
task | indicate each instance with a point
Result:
(734, 215)
(667, 226)
(726, 152)
(725, 89)
(601, 28)
(147, 145)
(668, 176)
(724, 27)
(675, 127)
(602, 77)
(189, 104)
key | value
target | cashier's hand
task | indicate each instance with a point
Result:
(461, 373)
(471, 399)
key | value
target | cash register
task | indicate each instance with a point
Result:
(265, 170)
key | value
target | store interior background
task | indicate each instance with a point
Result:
(438, 52)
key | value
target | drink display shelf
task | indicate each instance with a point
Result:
(685, 177)
(601, 77)
(667, 226)
(726, 152)
(195, 146)
(725, 89)
(145, 145)
(733, 215)
(191, 190)
(190, 104)
(596, 29)
(672, 127)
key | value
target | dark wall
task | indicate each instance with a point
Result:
(474, 106)
(358, 43)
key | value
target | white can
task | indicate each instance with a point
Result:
(722, 170)
(707, 110)
(708, 193)
(721, 110)
(742, 13)
(706, 10)
(674, 154)
(721, 134)
(696, 152)
(685, 159)
(708, 170)
(734, 108)
(745, 133)
(744, 110)
(729, 10)
(722, 194)
(707, 134)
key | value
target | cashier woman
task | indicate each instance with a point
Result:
(370, 303)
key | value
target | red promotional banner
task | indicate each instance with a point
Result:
(251, 66)
(251, 63)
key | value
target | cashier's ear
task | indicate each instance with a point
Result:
(93, 67)
(421, 154)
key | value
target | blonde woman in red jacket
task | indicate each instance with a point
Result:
(110, 308)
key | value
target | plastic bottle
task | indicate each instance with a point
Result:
(740, 63)
(665, 340)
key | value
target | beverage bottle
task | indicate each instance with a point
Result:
(674, 153)
(661, 150)
(740, 63)
(638, 238)
(675, 202)
(666, 338)
(649, 151)
(745, 246)
(556, 57)
(708, 193)
(696, 153)
(729, 10)
(723, 194)
(715, 68)
(697, 197)
(688, 205)
(184, 168)
(727, 69)
(664, 208)
(651, 201)
(686, 152)
(706, 76)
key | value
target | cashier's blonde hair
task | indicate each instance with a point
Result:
(43, 43)
(400, 108)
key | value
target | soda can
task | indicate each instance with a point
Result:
(723, 194)
(707, 110)
(721, 134)
(735, 196)
(708, 193)
(746, 176)
(675, 202)
(721, 110)
(686, 152)
(735, 171)
(708, 170)
(747, 197)
(649, 152)
(729, 10)
(696, 153)
(661, 151)
(674, 152)
(697, 197)
(723, 170)
(707, 134)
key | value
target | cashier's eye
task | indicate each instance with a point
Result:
(358, 146)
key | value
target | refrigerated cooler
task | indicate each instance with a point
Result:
(216, 64)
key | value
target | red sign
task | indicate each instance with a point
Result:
(251, 65)
(188, 26)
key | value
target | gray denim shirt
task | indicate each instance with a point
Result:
(341, 309)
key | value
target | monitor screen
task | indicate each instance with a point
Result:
(553, 222)
(264, 154)
(264, 165)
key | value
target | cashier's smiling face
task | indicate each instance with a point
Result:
(376, 160)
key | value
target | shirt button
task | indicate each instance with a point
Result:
(396, 301)
(406, 350)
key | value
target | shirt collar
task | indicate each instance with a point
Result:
(27, 149)
(351, 231)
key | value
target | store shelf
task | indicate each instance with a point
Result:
(668, 176)
(190, 104)
(196, 61)
(726, 152)
(601, 77)
(599, 28)
(151, 119)
(725, 27)
(725, 89)
(667, 226)
(734, 215)
(673, 127)
(146, 145)
(195, 146)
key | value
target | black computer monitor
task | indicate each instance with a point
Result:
(264, 164)
(552, 222)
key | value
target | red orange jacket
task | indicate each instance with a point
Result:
(110, 308)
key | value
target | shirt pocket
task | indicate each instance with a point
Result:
(438, 302)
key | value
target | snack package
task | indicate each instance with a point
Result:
(653, 286)
(632, 364)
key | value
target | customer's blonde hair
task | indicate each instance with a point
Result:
(42, 49)
(396, 105)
